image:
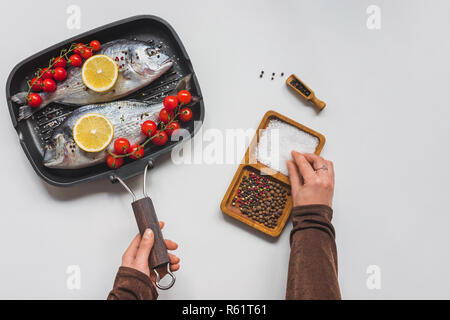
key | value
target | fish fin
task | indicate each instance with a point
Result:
(184, 83)
(20, 98)
(128, 73)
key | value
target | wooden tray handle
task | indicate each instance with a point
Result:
(145, 215)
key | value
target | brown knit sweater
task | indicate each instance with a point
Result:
(312, 265)
(131, 284)
(313, 261)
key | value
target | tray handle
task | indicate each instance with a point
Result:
(145, 215)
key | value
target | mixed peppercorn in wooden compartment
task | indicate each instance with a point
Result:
(261, 199)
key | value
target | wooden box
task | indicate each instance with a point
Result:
(249, 165)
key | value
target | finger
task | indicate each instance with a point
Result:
(130, 253)
(173, 259)
(174, 267)
(330, 166)
(317, 161)
(145, 246)
(161, 224)
(294, 177)
(331, 169)
(171, 245)
(303, 165)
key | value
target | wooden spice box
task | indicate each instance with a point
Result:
(250, 165)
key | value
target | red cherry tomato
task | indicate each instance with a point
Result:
(75, 60)
(172, 127)
(170, 103)
(160, 138)
(60, 74)
(95, 45)
(113, 162)
(165, 116)
(184, 96)
(49, 85)
(36, 84)
(86, 53)
(185, 114)
(121, 145)
(47, 73)
(78, 48)
(149, 127)
(60, 62)
(34, 100)
(136, 154)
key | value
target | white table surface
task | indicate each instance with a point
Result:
(386, 124)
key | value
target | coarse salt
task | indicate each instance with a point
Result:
(278, 140)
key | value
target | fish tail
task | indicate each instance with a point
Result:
(25, 112)
(20, 98)
(184, 83)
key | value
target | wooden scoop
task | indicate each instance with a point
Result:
(302, 89)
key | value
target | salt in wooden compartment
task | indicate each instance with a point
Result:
(310, 141)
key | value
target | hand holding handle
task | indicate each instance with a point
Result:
(145, 215)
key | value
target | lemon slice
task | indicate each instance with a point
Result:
(99, 73)
(93, 132)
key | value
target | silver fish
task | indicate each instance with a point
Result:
(139, 65)
(126, 117)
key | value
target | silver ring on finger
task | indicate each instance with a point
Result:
(324, 167)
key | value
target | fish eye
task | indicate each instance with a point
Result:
(151, 51)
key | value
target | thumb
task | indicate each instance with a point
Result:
(145, 246)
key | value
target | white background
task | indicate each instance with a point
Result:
(386, 124)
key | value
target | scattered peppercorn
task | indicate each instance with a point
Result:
(282, 74)
(261, 199)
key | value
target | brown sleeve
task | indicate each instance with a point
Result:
(131, 284)
(313, 261)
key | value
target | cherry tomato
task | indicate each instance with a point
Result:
(34, 100)
(49, 85)
(165, 116)
(60, 74)
(60, 62)
(185, 114)
(184, 96)
(113, 162)
(170, 103)
(160, 138)
(78, 48)
(86, 53)
(36, 84)
(47, 73)
(172, 127)
(75, 60)
(149, 128)
(95, 45)
(137, 154)
(121, 145)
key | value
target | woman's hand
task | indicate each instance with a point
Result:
(136, 256)
(312, 179)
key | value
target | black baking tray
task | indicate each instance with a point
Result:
(143, 27)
